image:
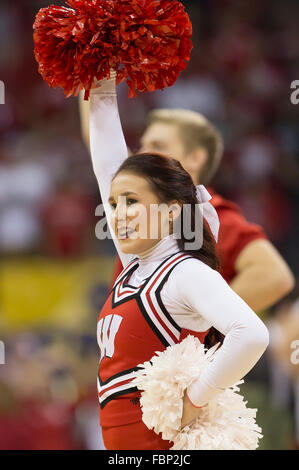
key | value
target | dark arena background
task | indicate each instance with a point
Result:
(54, 272)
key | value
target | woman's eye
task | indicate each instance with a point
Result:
(131, 201)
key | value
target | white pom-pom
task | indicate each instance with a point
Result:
(224, 424)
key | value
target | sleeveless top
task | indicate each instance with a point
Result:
(132, 326)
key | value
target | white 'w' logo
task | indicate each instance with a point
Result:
(106, 339)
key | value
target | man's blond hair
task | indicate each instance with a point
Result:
(195, 131)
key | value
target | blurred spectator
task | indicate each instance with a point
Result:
(24, 185)
(284, 350)
(66, 220)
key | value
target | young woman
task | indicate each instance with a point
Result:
(166, 290)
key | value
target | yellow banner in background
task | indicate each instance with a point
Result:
(35, 291)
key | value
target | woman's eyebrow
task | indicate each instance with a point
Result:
(126, 193)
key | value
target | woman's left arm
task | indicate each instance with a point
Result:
(204, 290)
(107, 145)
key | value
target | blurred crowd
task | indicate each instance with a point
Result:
(47, 396)
(244, 60)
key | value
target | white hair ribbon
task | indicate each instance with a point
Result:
(208, 211)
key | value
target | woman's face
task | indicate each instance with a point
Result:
(135, 218)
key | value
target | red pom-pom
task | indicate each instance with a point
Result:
(147, 42)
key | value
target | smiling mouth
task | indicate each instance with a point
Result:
(125, 233)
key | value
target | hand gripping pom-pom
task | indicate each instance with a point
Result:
(225, 423)
(147, 42)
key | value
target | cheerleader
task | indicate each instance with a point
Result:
(165, 291)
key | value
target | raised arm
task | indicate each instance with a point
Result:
(107, 145)
(84, 110)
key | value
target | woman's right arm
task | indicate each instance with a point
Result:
(107, 145)
(200, 289)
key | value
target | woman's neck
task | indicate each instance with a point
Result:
(157, 253)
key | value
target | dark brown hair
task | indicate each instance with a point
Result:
(170, 181)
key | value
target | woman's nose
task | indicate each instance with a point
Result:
(121, 211)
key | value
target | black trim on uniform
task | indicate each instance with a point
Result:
(143, 309)
(151, 323)
(117, 394)
(129, 274)
(138, 289)
(122, 275)
(158, 295)
(121, 392)
(157, 269)
(134, 295)
(159, 288)
(122, 280)
(119, 374)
